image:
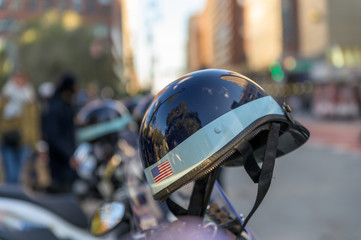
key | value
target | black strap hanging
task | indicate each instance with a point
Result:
(201, 193)
(175, 208)
(199, 199)
(266, 172)
(262, 176)
(250, 164)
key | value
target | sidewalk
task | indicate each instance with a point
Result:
(342, 135)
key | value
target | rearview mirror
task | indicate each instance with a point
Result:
(107, 217)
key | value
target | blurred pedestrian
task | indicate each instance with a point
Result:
(36, 172)
(45, 91)
(59, 132)
(19, 125)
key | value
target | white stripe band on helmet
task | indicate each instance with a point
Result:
(208, 140)
(94, 131)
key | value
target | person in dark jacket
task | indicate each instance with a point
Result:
(59, 132)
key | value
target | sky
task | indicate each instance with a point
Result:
(166, 22)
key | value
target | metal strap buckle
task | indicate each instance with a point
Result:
(287, 110)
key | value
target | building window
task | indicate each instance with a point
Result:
(32, 5)
(104, 2)
(78, 6)
(91, 6)
(290, 26)
(48, 4)
(106, 10)
(8, 25)
(2, 4)
(62, 5)
(15, 5)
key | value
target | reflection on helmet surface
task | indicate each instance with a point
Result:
(179, 110)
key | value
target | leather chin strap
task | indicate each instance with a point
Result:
(263, 175)
(199, 199)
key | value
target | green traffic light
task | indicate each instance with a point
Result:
(276, 71)
(278, 77)
(274, 66)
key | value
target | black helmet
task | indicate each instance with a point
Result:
(100, 118)
(103, 122)
(210, 118)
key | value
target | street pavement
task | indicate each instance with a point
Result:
(315, 193)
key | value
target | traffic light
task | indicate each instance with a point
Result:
(276, 71)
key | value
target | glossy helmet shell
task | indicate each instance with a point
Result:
(193, 125)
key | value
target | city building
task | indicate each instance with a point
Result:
(108, 19)
(14, 12)
(262, 33)
(216, 36)
(121, 47)
(303, 49)
(337, 78)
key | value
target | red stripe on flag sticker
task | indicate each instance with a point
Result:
(162, 171)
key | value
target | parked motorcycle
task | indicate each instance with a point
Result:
(105, 130)
(98, 179)
(150, 219)
(106, 135)
(133, 215)
(60, 216)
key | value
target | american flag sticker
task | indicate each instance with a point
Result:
(162, 171)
